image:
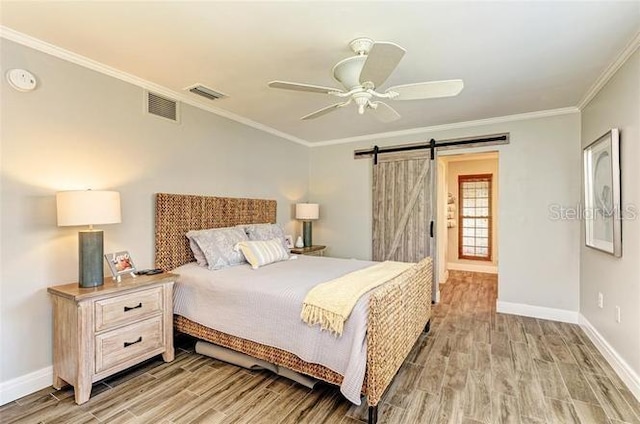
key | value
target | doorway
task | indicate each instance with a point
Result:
(425, 197)
(467, 214)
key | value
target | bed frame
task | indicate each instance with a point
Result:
(399, 310)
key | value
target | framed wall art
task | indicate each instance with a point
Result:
(602, 213)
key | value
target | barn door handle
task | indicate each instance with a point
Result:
(431, 229)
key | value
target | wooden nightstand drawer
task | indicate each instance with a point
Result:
(119, 346)
(98, 331)
(127, 308)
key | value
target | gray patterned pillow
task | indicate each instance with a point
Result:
(195, 249)
(217, 246)
(264, 232)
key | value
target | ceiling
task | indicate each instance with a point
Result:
(514, 57)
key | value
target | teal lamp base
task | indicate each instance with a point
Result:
(90, 255)
(306, 233)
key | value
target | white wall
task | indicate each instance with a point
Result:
(81, 129)
(617, 105)
(539, 257)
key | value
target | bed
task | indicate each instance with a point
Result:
(398, 311)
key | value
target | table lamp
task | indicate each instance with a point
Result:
(307, 212)
(89, 207)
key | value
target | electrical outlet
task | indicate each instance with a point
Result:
(600, 300)
(618, 314)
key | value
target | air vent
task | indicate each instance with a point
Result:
(161, 106)
(206, 92)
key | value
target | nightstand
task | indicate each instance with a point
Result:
(102, 330)
(315, 250)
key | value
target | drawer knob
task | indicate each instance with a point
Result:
(127, 344)
(129, 308)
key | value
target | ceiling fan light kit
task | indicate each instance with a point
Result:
(372, 64)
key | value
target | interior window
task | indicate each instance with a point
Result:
(474, 236)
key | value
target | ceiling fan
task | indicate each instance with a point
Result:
(362, 74)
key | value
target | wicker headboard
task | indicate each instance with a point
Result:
(178, 213)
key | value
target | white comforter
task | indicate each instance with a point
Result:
(264, 306)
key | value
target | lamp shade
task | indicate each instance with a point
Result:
(307, 211)
(88, 207)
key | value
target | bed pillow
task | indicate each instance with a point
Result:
(264, 232)
(259, 252)
(195, 249)
(217, 245)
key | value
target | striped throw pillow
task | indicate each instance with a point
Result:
(260, 253)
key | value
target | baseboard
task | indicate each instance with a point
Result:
(542, 312)
(444, 277)
(488, 269)
(26, 384)
(624, 371)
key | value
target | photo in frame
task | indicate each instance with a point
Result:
(602, 213)
(120, 263)
(289, 241)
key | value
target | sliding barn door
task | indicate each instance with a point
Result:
(402, 209)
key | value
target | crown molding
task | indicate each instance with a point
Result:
(610, 71)
(72, 57)
(453, 126)
(86, 62)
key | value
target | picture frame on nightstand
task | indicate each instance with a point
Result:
(120, 263)
(289, 241)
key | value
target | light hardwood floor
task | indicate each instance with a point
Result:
(475, 366)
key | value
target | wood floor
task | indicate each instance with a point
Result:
(475, 366)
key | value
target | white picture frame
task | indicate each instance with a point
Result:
(602, 212)
(120, 263)
(289, 241)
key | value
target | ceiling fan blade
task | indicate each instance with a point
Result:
(384, 113)
(303, 87)
(323, 111)
(381, 61)
(427, 90)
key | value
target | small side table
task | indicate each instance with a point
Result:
(315, 250)
(101, 330)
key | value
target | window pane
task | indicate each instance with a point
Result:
(475, 209)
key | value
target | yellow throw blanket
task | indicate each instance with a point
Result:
(329, 304)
